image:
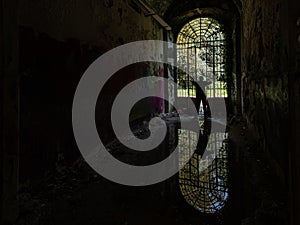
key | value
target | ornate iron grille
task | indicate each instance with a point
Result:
(200, 50)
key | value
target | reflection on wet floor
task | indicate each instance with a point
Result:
(202, 193)
(203, 181)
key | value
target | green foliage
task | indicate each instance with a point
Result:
(206, 43)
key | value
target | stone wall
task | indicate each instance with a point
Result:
(270, 81)
(265, 77)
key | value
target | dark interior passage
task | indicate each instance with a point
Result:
(242, 53)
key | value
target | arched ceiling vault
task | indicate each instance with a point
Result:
(178, 12)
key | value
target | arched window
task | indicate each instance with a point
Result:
(201, 50)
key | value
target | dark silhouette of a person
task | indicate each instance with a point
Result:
(200, 86)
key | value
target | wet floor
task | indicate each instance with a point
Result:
(203, 192)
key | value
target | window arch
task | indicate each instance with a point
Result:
(201, 51)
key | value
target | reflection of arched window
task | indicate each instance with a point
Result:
(204, 189)
(201, 51)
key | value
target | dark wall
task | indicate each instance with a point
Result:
(50, 71)
(58, 41)
(294, 105)
(270, 89)
(265, 77)
(9, 115)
